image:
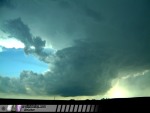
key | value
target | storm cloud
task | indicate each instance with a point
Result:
(6, 3)
(11, 85)
(33, 45)
(89, 67)
(112, 41)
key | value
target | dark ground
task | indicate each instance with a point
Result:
(118, 105)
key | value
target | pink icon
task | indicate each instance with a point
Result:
(18, 108)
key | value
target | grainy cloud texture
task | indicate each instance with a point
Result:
(96, 41)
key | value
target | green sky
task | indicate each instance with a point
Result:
(83, 48)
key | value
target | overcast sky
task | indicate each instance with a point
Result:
(74, 48)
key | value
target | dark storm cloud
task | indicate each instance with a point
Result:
(6, 3)
(117, 45)
(63, 3)
(89, 11)
(33, 45)
(88, 69)
(108, 52)
(16, 28)
(93, 14)
(80, 71)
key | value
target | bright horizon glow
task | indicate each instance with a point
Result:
(118, 91)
